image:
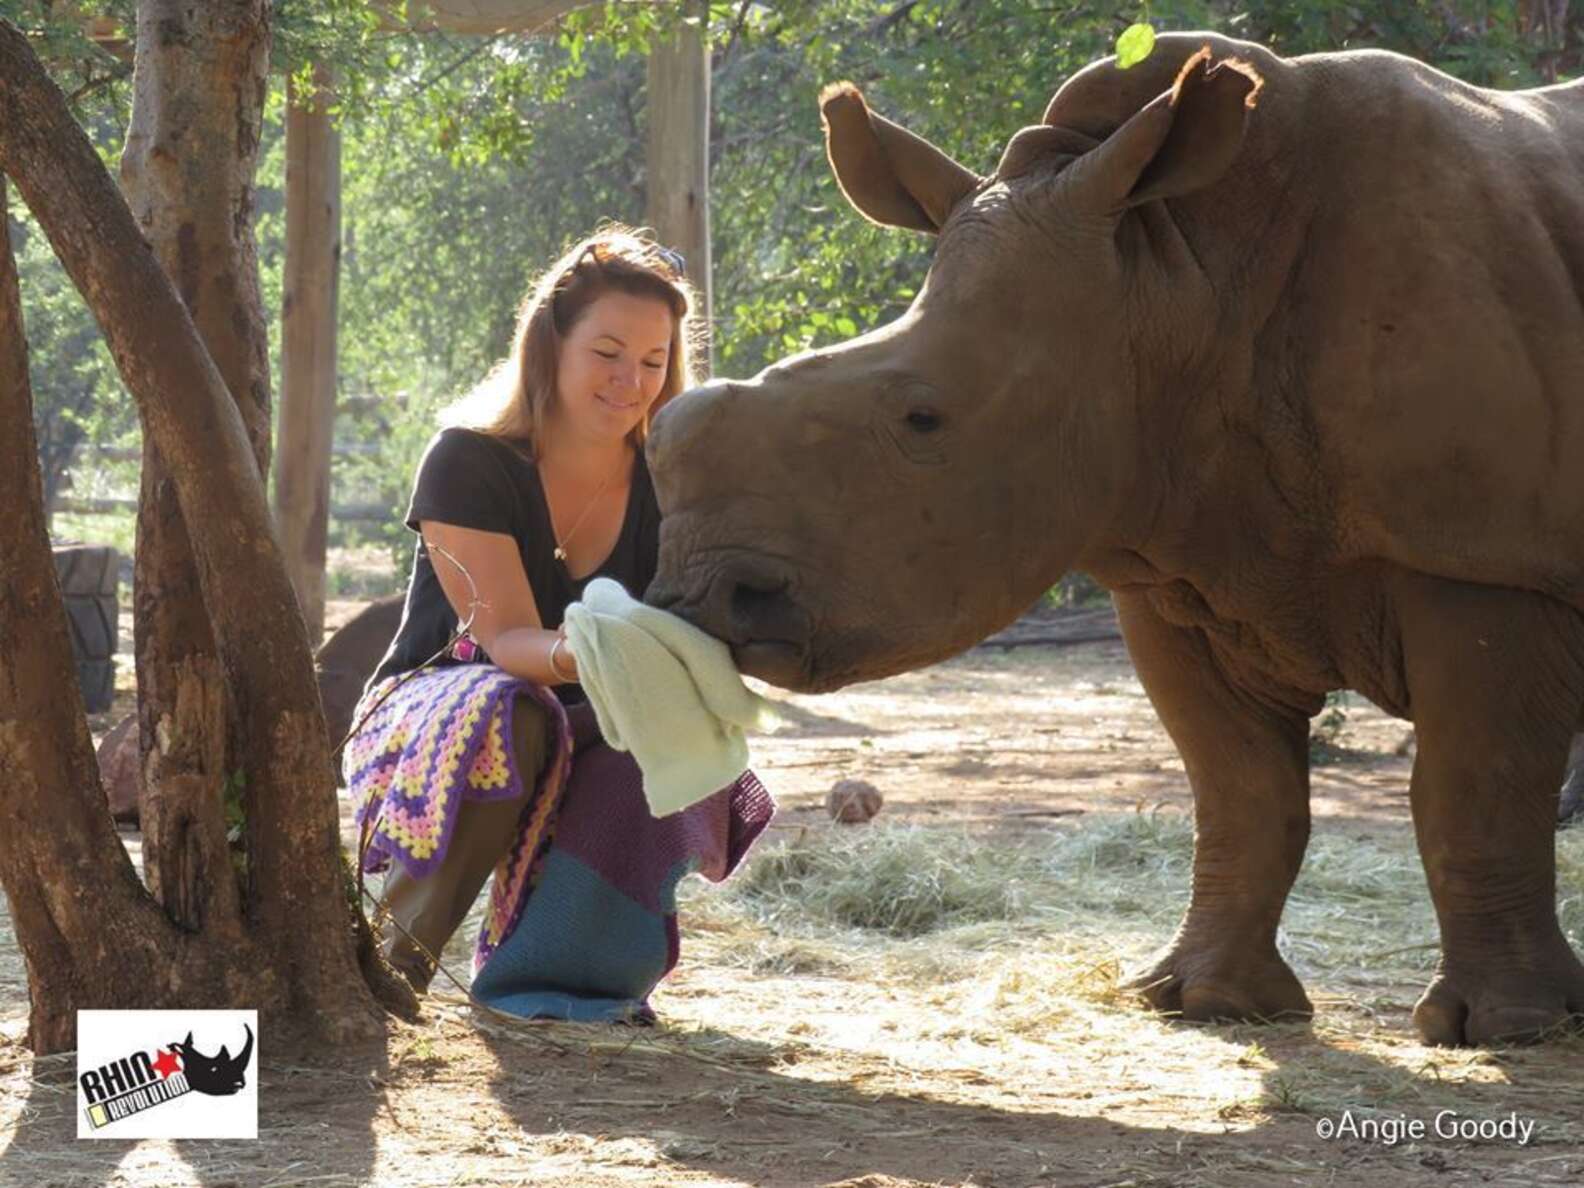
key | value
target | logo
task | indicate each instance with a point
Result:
(137, 1079)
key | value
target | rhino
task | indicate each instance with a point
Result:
(1288, 354)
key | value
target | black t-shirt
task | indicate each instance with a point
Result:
(475, 480)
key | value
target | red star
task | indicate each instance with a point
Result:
(167, 1064)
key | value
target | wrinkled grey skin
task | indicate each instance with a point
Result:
(1300, 382)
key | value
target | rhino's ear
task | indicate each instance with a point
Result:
(892, 176)
(1180, 142)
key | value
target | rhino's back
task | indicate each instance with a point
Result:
(1435, 312)
(1400, 262)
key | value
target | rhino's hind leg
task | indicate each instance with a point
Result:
(1497, 681)
(1248, 763)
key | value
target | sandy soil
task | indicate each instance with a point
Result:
(772, 1078)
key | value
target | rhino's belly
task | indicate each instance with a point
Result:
(1291, 635)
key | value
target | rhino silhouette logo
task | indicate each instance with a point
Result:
(219, 1075)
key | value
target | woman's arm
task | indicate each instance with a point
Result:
(505, 616)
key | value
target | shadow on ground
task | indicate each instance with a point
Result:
(298, 1141)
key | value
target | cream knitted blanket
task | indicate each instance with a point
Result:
(665, 691)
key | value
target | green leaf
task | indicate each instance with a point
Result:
(1134, 45)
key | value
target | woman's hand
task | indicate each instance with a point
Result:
(534, 653)
(562, 660)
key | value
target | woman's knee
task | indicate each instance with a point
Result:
(530, 737)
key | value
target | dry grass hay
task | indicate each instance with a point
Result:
(1002, 955)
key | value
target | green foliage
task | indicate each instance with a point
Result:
(1134, 45)
(86, 67)
(78, 401)
(231, 794)
(470, 162)
(1325, 731)
(1077, 590)
(1495, 43)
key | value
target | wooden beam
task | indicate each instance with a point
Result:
(483, 18)
(364, 513)
(308, 342)
(677, 152)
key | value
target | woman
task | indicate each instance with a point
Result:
(537, 486)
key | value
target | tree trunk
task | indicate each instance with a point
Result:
(308, 342)
(187, 170)
(297, 913)
(677, 163)
(90, 935)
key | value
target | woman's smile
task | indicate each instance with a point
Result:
(614, 361)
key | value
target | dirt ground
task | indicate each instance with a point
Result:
(845, 1076)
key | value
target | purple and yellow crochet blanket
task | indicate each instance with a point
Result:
(436, 738)
(582, 914)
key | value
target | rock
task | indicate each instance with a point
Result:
(852, 802)
(345, 663)
(349, 657)
(118, 769)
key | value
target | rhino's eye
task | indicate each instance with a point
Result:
(923, 420)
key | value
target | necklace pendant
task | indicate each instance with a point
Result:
(560, 553)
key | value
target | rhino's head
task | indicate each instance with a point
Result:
(881, 504)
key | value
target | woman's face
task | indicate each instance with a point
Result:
(613, 364)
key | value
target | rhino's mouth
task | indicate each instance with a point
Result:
(778, 661)
(749, 603)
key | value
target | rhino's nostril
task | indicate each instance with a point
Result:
(749, 603)
(660, 594)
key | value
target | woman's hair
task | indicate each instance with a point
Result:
(514, 399)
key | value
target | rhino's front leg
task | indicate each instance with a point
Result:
(1248, 765)
(1497, 681)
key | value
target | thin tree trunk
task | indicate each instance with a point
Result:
(187, 170)
(677, 164)
(308, 342)
(298, 909)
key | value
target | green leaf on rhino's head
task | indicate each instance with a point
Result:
(1134, 45)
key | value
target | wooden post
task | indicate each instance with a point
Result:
(308, 343)
(678, 147)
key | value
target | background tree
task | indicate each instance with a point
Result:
(466, 162)
(91, 934)
(187, 172)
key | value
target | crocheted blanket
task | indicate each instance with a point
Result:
(439, 737)
(581, 921)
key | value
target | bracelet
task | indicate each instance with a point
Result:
(559, 640)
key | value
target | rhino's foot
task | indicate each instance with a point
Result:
(1513, 1006)
(1201, 983)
